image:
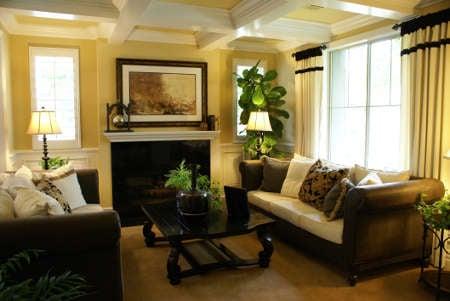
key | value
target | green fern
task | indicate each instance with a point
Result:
(67, 286)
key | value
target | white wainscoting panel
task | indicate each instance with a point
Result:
(231, 154)
(80, 158)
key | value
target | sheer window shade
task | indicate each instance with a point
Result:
(364, 105)
(54, 79)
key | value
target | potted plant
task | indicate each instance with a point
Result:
(55, 162)
(195, 192)
(437, 214)
(258, 93)
(14, 286)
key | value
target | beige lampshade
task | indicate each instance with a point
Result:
(43, 122)
(447, 155)
(259, 121)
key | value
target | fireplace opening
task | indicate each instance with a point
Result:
(139, 172)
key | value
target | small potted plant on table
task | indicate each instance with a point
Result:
(195, 192)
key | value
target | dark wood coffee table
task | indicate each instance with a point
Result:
(196, 241)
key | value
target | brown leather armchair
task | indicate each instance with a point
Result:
(85, 243)
(381, 224)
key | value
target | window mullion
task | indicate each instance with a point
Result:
(368, 103)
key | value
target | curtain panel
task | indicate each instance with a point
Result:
(425, 72)
(308, 96)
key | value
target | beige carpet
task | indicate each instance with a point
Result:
(292, 275)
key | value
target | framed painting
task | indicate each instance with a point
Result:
(163, 93)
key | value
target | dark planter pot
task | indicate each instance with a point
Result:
(192, 204)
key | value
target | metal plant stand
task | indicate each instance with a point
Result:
(435, 278)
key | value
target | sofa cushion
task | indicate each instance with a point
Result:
(298, 169)
(299, 214)
(318, 182)
(31, 202)
(89, 208)
(370, 179)
(66, 180)
(274, 173)
(6, 206)
(360, 172)
(333, 205)
(46, 186)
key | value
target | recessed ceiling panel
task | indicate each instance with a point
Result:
(319, 14)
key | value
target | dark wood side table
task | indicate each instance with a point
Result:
(435, 278)
(197, 241)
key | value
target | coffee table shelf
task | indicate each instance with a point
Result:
(197, 241)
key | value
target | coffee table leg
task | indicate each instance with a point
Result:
(173, 269)
(148, 234)
(266, 241)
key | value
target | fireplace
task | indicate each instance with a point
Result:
(139, 169)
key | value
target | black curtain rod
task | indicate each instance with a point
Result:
(322, 47)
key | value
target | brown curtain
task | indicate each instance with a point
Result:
(425, 49)
(308, 95)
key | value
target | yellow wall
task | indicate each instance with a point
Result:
(98, 87)
(20, 87)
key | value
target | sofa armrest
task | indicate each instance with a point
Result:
(63, 234)
(380, 221)
(251, 174)
(394, 195)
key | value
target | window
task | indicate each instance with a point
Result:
(239, 65)
(364, 105)
(54, 82)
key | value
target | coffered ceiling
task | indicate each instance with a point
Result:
(256, 25)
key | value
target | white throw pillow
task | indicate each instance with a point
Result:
(6, 205)
(30, 202)
(12, 183)
(360, 172)
(297, 171)
(371, 179)
(24, 172)
(66, 180)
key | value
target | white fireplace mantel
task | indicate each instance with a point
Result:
(160, 136)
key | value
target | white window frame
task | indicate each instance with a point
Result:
(241, 62)
(64, 52)
(381, 36)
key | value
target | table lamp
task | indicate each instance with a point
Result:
(447, 155)
(43, 123)
(259, 122)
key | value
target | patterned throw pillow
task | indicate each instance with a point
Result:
(333, 206)
(47, 187)
(318, 183)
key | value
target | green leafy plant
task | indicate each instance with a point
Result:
(436, 215)
(54, 163)
(67, 286)
(180, 178)
(258, 93)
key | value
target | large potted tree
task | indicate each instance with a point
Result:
(260, 94)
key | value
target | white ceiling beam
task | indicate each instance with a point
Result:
(130, 16)
(295, 30)
(95, 8)
(162, 37)
(249, 16)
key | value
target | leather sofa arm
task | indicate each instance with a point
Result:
(63, 234)
(397, 195)
(251, 174)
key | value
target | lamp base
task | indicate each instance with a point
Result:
(45, 158)
(259, 142)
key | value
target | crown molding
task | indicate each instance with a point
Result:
(353, 23)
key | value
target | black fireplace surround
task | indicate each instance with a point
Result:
(139, 169)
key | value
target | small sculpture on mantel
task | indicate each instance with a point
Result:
(119, 115)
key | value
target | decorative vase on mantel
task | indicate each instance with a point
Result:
(193, 204)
